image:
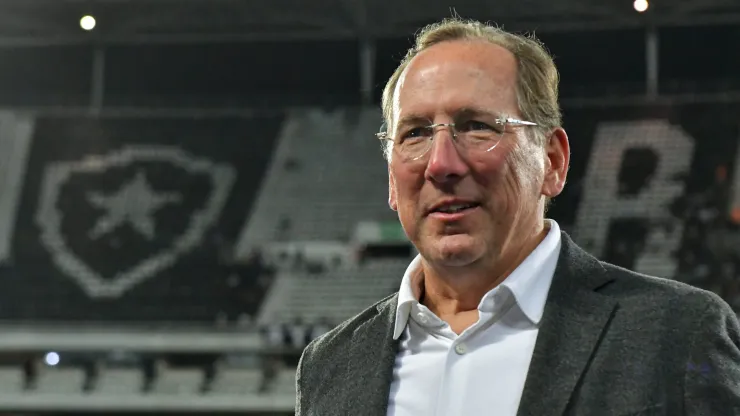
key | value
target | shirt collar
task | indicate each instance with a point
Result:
(408, 294)
(529, 283)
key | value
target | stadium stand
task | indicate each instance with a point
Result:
(326, 177)
(334, 295)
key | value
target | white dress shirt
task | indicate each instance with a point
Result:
(481, 371)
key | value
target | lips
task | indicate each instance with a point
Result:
(451, 209)
(452, 206)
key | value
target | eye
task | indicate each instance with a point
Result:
(416, 133)
(476, 126)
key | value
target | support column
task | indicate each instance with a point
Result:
(97, 88)
(367, 70)
(651, 62)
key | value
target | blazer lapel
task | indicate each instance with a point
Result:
(370, 368)
(574, 321)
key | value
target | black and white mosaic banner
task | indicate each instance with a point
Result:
(113, 212)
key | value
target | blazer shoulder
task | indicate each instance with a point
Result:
(323, 363)
(682, 295)
(341, 335)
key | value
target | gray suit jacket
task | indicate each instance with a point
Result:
(611, 342)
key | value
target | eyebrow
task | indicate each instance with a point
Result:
(473, 112)
(411, 119)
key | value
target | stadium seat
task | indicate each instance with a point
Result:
(236, 381)
(119, 381)
(60, 380)
(12, 380)
(177, 381)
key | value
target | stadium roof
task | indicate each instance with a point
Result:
(56, 21)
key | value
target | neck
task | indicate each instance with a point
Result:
(455, 290)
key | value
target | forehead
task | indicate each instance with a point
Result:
(454, 75)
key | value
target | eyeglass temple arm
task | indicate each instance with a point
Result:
(382, 135)
(520, 122)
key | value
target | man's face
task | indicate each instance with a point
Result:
(504, 186)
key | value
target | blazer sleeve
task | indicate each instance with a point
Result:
(712, 373)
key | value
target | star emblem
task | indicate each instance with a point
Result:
(135, 203)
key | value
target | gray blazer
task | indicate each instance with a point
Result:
(611, 342)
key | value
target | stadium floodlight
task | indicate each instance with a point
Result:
(51, 359)
(640, 5)
(87, 22)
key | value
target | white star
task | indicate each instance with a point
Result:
(135, 203)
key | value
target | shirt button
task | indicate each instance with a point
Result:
(422, 318)
(461, 349)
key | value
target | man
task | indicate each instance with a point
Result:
(501, 313)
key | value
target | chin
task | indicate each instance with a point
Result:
(456, 250)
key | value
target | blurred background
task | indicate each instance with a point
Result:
(190, 190)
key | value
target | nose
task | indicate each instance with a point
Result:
(445, 163)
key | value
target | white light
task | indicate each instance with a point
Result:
(640, 5)
(87, 22)
(52, 358)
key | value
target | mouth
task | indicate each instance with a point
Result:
(453, 210)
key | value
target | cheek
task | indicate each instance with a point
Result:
(407, 195)
(491, 171)
(508, 177)
(408, 185)
(526, 168)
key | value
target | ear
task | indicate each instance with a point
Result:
(392, 199)
(557, 150)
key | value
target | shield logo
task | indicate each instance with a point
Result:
(110, 222)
